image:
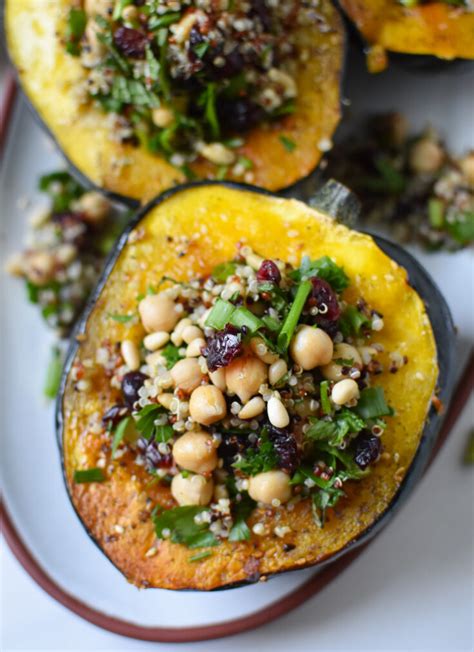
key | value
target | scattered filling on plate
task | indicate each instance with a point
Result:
(255, 385)
(65, 248)
(186, 79)
(412, 184)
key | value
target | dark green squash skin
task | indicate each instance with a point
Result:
(436, 307)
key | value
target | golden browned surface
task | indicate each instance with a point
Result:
(434, 28)
(51, 78)
(206, 223)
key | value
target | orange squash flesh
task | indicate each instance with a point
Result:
(434, 28)
(205, 223)
(51, 78)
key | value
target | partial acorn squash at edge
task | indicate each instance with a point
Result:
(49, 77)
(434, 28)
(208, 220)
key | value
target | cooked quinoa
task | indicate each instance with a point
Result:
(65, 248)
(254, 385)
(187, 79)
(410, 183)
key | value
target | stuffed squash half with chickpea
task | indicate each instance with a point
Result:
(247, 392)
(142, 94)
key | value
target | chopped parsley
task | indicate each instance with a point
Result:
(146, 426)
(121, 319)
(287, 143)
(171, 354)
(260, 459)
(89, 475)
(179, 526)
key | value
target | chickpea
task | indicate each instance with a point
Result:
(192, 490)
(195, 451)
(269, 486)
(207, 405)
(187, 374)
(244, 376)
(158, 312)
(39, 267)
(93, 206)
(345, 391)
(162, 117)
(333, 370)
(426, 156)
(311, 347)
(218, 378)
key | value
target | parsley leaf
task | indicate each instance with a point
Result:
(171, 354)
(372, 404)
(121, 319)
(335, 430)
(352, 321)
(324, 268)
(222, 271)
(182, 527)
(260, 459)
(120, 434)
(287, 143)
(146, 424)
(75, 28)
(240, 531)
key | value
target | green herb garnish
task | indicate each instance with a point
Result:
(352, 321)
(120, 434)
(171, 354)
(240, 531)
(324, 395)
(200, 555)
(75, 28)
(53, 373)
(121, 319)
(147, 427)
(260, 459)
(89, 475)
(221, 272)
(287, 143)
(324, 268)
(372, 404)
(182, 528)
(291, 321)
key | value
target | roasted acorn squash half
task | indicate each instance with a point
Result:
(281, 152)
(184, 233)
(438, 29)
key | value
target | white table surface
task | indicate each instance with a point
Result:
(413, 589)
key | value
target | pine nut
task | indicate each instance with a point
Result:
(162, 117)
(165, 400)
(253, 408)
(177, 334)
(276, 371)
(344, 391)
(130, 354)
(217, 153)
(194, 348)
(191, 333)
(155, 341)
(277, 413)
(155, 359)
(218, 378)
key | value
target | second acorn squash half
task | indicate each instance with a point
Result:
(431, 28)
(49, 76)
(184, 234)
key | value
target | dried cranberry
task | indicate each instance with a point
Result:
(260, 10)
(367, 449)
(131, 383)
(285, 447)
(130, 42)
(114, 414)
(223, 347)
(239, 115)
(269, 272)
(153, 458)
(74, 228)
(232, 444)
(324, 298)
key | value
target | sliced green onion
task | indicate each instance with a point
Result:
(89, 475)
(271, 323)
(324, 391)
(200, 555)
(157, 22)
(436, 213)
(220, 314)
(119, 434)
(243, 317)
(119, 7)
(291, 321)
(53, 373)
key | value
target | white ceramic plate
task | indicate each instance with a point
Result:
(32, 481)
